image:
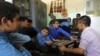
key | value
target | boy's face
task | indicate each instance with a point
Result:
(77, 16)
(80, 26)
(56, 24)
(25, 24)
(13, 25)
(44, 32)
(30, 25)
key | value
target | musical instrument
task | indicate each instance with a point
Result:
(64, 10)
(51, 8)
(67, 43)
(60, 7)
(55, 7)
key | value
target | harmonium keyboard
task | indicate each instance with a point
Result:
(67, 43)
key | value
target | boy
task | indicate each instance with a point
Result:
(55, 30)
(23, 24)
(43, 39)
(9, 22)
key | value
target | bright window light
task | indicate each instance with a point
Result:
(11, 1)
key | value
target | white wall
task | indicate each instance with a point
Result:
(74, 7)
(95, 24)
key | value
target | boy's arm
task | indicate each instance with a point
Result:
(51, 38)
(62, 48)
(67, 34)
(64, 33)
(48, 41)
(39, 39)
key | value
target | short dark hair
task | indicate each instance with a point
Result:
(86, 20)
(23, 18)
(8, 10)
(45, 28)
(78, 14)
(53, 21)
(29, 20)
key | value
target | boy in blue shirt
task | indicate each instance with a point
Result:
(9, 22)
(55, 30)
(43, 39)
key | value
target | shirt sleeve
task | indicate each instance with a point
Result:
(6, 49)
(39, 39)
(48, 39)
(84, 42)
(24, 51)
(64, 33)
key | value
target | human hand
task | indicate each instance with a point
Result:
(62, 48)
(56, 40)
(74, 39)
(49, 42)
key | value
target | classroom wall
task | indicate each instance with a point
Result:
(73, 7)
(95, 23)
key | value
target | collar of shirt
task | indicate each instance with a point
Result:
(53, 28)
(85, 29)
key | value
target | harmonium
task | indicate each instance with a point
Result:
(67, 43)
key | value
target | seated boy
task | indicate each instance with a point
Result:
(43, 39)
